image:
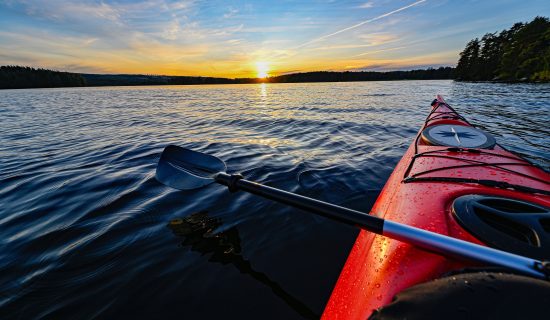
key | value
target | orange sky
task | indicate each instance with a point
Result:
(246, 39)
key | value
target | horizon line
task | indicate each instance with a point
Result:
(236, 78)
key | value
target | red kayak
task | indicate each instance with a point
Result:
(454, 180)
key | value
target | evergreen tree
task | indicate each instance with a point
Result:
(468, 64)
(519, 53)
(15, 77)
(490, 56)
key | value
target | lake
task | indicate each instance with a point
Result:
(87, 231)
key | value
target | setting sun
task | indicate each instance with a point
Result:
(263, 69)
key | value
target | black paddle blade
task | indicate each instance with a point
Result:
(186, 169)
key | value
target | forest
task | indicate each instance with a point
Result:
(521, 53)
(15, 77)
(328, 76)
(96, 80)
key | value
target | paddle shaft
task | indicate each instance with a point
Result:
(427, 240)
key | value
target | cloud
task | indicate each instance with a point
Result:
(275, 29)
(368, 40)
(361, 23)
(377, 39)
(234, 41)
(436, 59)
(70, 11)
(181, 5)
(381, 50)
(172, 30)
(200, 38)
(365, 5)
(225, 31)
(231, 13)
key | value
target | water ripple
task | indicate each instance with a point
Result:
(84, 223)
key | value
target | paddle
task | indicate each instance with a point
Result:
(185, 169)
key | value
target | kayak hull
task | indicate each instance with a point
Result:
(377, 267)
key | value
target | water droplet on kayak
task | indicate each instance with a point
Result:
(175, 222)
(379, 297)
(377, 285)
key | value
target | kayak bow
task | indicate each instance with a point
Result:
(454, 180)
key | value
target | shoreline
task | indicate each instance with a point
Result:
(267, 82)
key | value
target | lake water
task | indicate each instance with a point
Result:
(87, 231)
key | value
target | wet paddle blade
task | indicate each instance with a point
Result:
(186, 169)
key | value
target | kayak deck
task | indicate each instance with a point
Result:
(419, 193)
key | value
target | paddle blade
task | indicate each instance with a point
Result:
(186, 169)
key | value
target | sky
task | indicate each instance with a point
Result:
(248, 38)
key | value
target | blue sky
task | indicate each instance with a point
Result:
(234, 38)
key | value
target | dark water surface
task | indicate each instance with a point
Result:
(87, 232)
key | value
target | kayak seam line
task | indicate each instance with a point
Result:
(483, 182)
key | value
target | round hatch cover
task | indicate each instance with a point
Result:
(511, 225)
(457, 136)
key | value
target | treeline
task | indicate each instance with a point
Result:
(327, 76)
(148, 80)
(12, 77)
(15, 77)
(320, 76)
(521, 53)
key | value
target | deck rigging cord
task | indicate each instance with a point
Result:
(444, 115)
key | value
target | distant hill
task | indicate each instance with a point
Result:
(12, 77)
(328, 76)
(521, 53)
(319, 76)
(144, 80)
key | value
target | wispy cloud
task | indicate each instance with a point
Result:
(365, 5)
(376, 39)
(72, 10)
(378, 51)
(361, 23)
(365, 41)
(231, 13)
(192, 37)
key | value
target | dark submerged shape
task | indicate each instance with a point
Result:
(187, 169)
(198, 231)
(76, 161)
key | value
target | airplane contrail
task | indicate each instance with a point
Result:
(361, 23)
(377, 51)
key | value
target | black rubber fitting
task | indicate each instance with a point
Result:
(232, 185)
(544, 267)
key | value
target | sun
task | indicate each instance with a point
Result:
(262, 67)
